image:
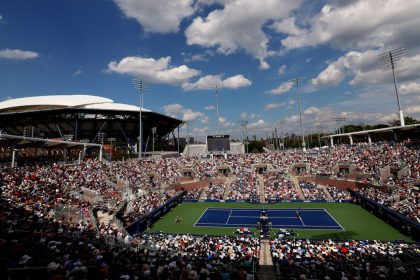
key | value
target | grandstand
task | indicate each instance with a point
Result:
(83, 118)
(195, 215)
(236, 148)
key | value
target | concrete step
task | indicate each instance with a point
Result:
(265, 254)
(262, 188)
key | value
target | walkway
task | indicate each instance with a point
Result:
(266, 269)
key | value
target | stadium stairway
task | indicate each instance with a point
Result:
(327, 193)
(295, 182)
(266, 269)
(262, 188)
(104, 218)
(204, 193)
(228, 183)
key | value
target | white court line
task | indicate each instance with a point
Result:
(301, 220)
(227, 221)
(200, 216)
(273, 210)
(334, 219)
(275, 226)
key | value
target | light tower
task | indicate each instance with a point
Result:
(140, 85)
(389, 59)
(298, 82)
(338, 120)
(217, 89)
(244, 125)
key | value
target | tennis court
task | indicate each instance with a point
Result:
(317, 218)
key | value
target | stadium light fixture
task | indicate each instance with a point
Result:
(389, 59)
(298, 82)
(338, 120)
(244, 125)
(279, 124)
(140, 85)
(217, 90)
(153, 137)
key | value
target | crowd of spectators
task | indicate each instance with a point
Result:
(33, 236)
(144, 203)
(312, 191)
(327, 259)
(279, 186)
(78, 251)
(339, 194)
(214, 192)
(50, 187)
(403, 200)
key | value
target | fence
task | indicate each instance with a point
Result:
(143, 222)
(390, 216)
(72, 214)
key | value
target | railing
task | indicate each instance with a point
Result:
(73, 214)
(397, 220)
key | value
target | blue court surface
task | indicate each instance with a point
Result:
(280, 218)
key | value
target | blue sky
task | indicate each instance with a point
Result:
(247, 48)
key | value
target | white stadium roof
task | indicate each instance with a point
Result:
(64, 101)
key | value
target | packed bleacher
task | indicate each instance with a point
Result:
(57, 250)
(312, 191)
(278, 186)
(339, 194)
(403, 200)
(48, 208)
(327, 259)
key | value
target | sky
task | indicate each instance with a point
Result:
(248, 49)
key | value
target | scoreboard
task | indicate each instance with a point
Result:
(218, 143)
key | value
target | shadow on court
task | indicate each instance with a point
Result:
(336, 235)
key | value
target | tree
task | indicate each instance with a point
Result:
(407, 120)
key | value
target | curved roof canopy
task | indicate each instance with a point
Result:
(63, 101)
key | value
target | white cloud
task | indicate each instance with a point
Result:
(336, 70)
(272, 106)
(236, 81)
(17, 54)
(364, 68)
(158, 15)
(413, 109)
(205, 56)
(407, 69)
(153, 70)
(410, 88)
(172, 109)
(283, 88)
(287, 26)
(210, 107)
(361, 24)
(222, 120)
(190, 115)
(1, 17)
(312, 111)
(282, 69)
(205, 120)
(77, 72)
(291, 101)
(332, 75)
(239, 26)
(200, 131)
(211, 81)
(258, 124)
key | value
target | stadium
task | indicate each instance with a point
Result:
(81, 118)
(278, 214)
(210, 140)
